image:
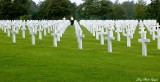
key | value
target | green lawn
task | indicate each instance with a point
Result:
(23, 62)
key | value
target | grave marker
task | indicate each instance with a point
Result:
(143, 40)
(110, 38)
(23, 29)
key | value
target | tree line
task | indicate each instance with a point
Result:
(90, 9)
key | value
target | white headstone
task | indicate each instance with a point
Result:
(40, 32)
(102, 35)
(97, 34)
(5, 28)
(129, 36)
(143, 40)
(80, 36)
(110, 38)
(158, 37)
(33, 35)
(58, 35)
(44, 29)
(54, 39)
(14, 34)
(9, 30)
(118, 34)
(23, 29)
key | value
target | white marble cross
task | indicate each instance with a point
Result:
(40, 32)
(158, 36)
(5, 28)
(118, 34)
(58, 35)
(93, 31)
(9, 30)
(98, 30)
(44, 30)
(110, 38)
(49, 29)
(33, 35)
(123, 31)
(129, 36)
(17, 25)
(143, 40)
(102, 33)
(23, 29)
(14, 32)
(90, 28)
(142, 28)
(80, 36)
(55, 39)
(152, 32)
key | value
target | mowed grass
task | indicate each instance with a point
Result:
(23, 62)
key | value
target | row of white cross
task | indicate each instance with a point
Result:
(101, 28)
(153, 29)
(55, 27)
(79, 34)
(98, 28)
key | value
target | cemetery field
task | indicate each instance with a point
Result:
(23, 62)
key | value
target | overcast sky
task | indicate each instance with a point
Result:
(80, 1)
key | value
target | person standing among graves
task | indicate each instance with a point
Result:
(64, 18)
(72, 20)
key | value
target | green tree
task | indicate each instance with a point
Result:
(128, 7)
(154, 10)
(73, 8)
(54, 9)
(42, 11)
(140, 10)
(33, 10)
(90, 9)
(105, 10)
(80, 14)
(97, 9)
(158, 16)
(13, 9)
(118, 11)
